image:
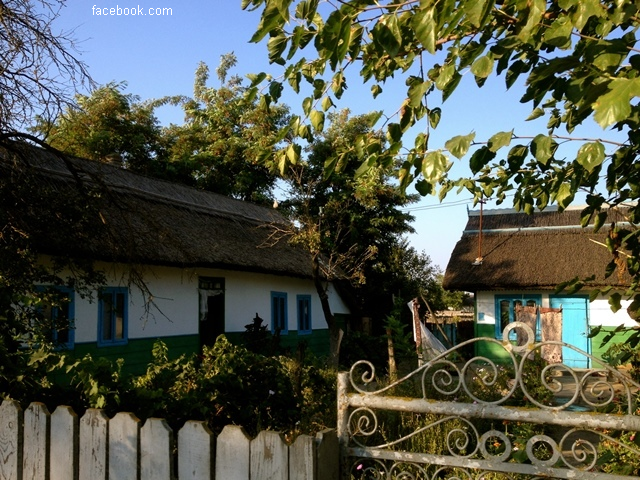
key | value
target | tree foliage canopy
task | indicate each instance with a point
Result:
(110, 126)
(226, 140)
(576, 61)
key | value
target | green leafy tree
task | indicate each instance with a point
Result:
(110, 126)
(347, 222)
(577, 61)
(226, 137)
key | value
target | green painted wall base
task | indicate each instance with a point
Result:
(137, 353)
(597, 348)
(495, 352)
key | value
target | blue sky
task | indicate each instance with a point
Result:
(157, 55)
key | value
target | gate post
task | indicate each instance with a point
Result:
(343, 422)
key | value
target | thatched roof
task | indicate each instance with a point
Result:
(537, 251)
(149, 221)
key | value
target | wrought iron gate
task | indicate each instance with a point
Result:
(480, 419)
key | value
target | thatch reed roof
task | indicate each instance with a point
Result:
(538, 251)
(144, 220)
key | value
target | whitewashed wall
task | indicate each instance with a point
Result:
(600, 312)
(175, 306)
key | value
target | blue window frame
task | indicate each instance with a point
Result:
(59, 315)
(279, 320)
(304, 314)
(112, 316)
(506, 306)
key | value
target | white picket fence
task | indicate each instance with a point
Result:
(37, 445)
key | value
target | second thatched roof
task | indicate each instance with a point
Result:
(513, 250)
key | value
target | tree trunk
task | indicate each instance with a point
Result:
(335, 334)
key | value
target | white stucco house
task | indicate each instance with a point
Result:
(181, 264)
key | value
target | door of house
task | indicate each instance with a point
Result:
(211, 324)
(575, 328)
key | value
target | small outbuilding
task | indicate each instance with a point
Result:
(513, 262)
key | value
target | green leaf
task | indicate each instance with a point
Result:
(424, 188)
(434, 166)
(293, 153)
(416, 92)
(559, 32)
(591, 155)
(276, 45)
(543, 147)
(317, 120)
(615, 105)
(459, 145)
(584, 10)
(564, 196)
(387, 34)
(256, 78)
(334, 39)
(480, 158)
(272, 17)
(275, 90)
(499, 140)
(376, 90)
(424, 27)
(434, 117)
(537, 113)
(445, 75)
(327, 103)
(482, 67)
(614, 301)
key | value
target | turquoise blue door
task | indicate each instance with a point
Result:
(575, 327)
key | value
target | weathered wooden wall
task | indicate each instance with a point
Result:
(37, 445)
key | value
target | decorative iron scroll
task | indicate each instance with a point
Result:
(472, 409)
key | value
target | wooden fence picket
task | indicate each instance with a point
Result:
(269, 457)
(124, 443)
(35, 460)
(233, 454)
(37, 445)
(195, 451)
(64, 444)
(156, 450)
(302, 458)
(94, 430)
(10, 440)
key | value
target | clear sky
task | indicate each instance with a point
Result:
(157, 55)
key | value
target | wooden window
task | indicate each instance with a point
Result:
(112, 316)
(279, 321)
(304, 314)
(57, 315)
(506, 307)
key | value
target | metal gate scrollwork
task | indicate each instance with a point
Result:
(483, 420)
